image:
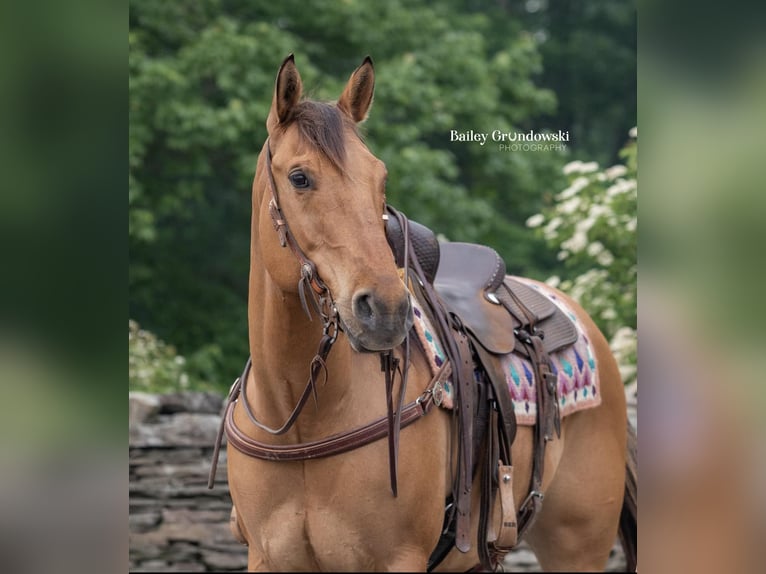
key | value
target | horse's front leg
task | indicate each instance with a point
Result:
(255, 562)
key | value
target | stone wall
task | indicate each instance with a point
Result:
(176, 523)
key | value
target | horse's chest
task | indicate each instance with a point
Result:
(337, 514)
(313, 536)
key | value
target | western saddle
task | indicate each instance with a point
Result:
(480, 315)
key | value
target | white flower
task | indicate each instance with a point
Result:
(633, 132)
(631, 225)
(584, 225)
(589, 167)
(549, 231)
(595, 248)
(620, 187)
(608, 314)
(561, 255)
(553, 281)
(570, 205)
(536, 220)
(616, 171)
(598, 210)
(624, 345)
(577, 242)
(605, 258)
(577, 185)
(572, 167)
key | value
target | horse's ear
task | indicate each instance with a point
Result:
(356, 98)
(287, 93)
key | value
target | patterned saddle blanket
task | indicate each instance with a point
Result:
(575, 368)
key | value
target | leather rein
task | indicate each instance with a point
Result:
(324, 305)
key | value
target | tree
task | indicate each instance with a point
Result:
(201, 81)
(589, 50)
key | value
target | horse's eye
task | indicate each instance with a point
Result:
(299, 180)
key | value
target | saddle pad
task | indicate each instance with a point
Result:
(575, 367)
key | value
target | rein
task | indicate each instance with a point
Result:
(324, 305)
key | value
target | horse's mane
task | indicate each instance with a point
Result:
(323, 125)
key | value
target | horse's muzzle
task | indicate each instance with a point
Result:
(378, 324)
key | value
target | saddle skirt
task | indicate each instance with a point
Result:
(574, 367)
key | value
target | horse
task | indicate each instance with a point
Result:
(323, 276)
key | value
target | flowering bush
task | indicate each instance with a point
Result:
(593, 224)
(153, 366)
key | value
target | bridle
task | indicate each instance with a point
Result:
(324, 305)
(322, 299)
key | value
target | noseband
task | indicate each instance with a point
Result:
(324, 305)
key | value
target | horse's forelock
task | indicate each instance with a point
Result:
(323, 126)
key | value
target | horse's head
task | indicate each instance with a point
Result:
(331, 193)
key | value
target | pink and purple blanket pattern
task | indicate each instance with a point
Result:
(578, 384)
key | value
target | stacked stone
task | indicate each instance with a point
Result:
(176, 523)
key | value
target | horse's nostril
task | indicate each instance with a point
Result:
(405, 309)
(377, 314)
(363, 307)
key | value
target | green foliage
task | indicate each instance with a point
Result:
(154, 366)
(589, 50)
(201, 81)
(593, 225)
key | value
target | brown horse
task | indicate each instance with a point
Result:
(338, 513)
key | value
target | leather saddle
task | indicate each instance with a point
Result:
(484, 315)
(472, 283)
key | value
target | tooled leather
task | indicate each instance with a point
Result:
(426, 246)
(536, 303)
(422, 241)
(559, 330)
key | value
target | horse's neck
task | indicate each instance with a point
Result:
(282, 338)
(283, 342)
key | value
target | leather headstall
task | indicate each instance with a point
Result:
(309, 275)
